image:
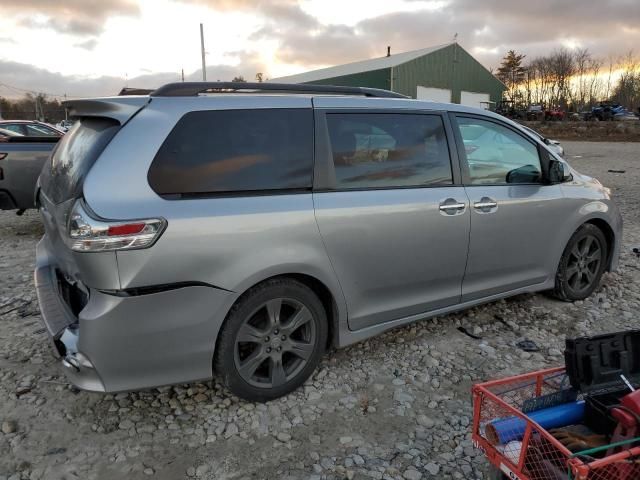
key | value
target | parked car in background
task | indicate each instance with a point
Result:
(507, 108)
(31, 128)
(6, 134)
(610, 111)
(553, 145)
(21, 160)
(217, 227)
(554, 113)
(535, 112)
(64, 125)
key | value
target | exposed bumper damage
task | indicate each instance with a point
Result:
(125, 342)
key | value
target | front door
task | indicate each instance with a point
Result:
(394, 224)
(514, 214)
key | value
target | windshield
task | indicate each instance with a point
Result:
(62, 176)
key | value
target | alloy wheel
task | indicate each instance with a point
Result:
(275, 342)
(583, 264)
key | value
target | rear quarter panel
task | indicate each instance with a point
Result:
(228, 242)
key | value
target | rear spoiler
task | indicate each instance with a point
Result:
(120, 108)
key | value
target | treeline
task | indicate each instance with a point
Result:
(31, 107)
(571, 79)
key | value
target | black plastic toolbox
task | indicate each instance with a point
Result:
(597, 363)
(595, 366)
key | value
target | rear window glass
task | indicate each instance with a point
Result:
(73, 157)
(224, 151)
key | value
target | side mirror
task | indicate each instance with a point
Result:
(556, 171)
(547, 141)
(524, 174)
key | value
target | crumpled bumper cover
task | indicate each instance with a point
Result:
(120, 342)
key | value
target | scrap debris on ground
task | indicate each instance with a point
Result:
(394, 407)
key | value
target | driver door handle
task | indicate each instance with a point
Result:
(485, 204)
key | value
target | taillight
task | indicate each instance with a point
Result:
(86, 234)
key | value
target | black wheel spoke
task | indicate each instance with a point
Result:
(274, 308)
(589, 275)
(277, 373)
(574, 281)
(250, 334)
(586, 246)
(300, 318)
(571, 271)
(249, 366)
(594, 256)
(575, 252)
(301, 349)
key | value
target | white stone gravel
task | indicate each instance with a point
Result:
(394, 407)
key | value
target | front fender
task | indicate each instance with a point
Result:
(598, 211)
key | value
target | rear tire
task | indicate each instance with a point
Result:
(582, 264)
(272, 340)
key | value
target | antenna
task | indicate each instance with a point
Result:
(455, 37)
(204, 65)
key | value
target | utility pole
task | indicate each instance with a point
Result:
(204, 66)
(66, 117)
(183, 74)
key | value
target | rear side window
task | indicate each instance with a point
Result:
(225, 151)
(386, 150)
(73, 157)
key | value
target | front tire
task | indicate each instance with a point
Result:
(582, 264)
(272, 340)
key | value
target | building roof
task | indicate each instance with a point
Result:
(359, 67)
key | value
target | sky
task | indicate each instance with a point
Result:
(89, 48)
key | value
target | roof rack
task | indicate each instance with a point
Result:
(192, 89)
(134, 91)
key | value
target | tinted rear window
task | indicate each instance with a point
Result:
(224, 151)
(73, 157)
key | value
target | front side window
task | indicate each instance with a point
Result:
(386, 150)
(41, 131)
(223, 151)
(498, 155)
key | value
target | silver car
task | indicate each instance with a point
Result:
(240, 230)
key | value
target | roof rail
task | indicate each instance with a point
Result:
(191, 89)
(134, 91)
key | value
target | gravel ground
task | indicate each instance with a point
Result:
(394, 407)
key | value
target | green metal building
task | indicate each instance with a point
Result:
(445, 73)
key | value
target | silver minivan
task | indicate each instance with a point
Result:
(240, 230)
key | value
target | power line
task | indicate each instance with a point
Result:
(36, 92)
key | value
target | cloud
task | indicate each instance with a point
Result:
(76, 17)
(486, 28)
(88, 44)
(31, 78)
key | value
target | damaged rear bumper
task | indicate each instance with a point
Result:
(127, 342)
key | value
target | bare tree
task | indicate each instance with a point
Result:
(627, 90)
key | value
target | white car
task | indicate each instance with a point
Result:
(554, 145)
